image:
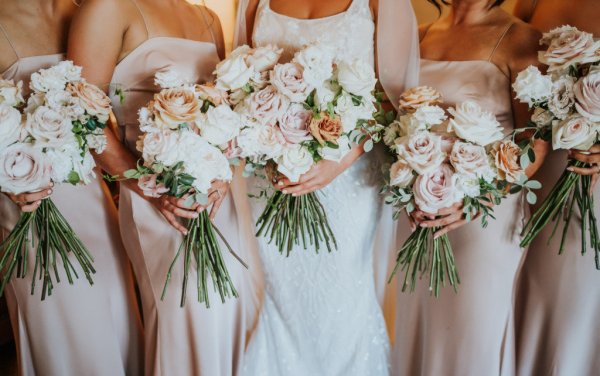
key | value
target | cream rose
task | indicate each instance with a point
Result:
(532, 86)
(49, 128)
(92, 99)
(267, 105)
(317, 61)
(506, 158)
(174, 107)
(436, 190)
(151, 188)
(161, 146)
(430, 115)
(23, 168)
(233, 73)
(401, 175)
(587, 95)
(169, 79)
(205, 163)
(11, 94)
(294, 162)
(471, 160)
(288, 80)
(470, 122)
(422, 151)
(294, 124)
(264, 58)
(220, 125)
(212, 94)
(350, 114)
(10, 125)
(357, 78)
(419, 96)
(575, 132)
(563, 97)
(567, 46)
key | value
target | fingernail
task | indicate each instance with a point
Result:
(285, 191)
(280, 183)
(423, 225)
(570, 169)
(185, 233)
(294, 195)
(49, 191)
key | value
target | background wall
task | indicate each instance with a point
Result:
(226, 10)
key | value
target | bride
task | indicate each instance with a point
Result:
(320, 314)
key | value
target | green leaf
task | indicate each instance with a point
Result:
(531, 154)
(533, 184)
(368, 145)
(131, 174)
(515, 189)
(531, 198)
(524, 161)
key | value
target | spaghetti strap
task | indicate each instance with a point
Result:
(500, 41)
(208, 24)
(143, 17)
(9, 41)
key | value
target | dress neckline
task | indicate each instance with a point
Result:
(21, 59)
(166, 38)
(340, 14)
(486, 62)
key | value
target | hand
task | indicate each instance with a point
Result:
(216, 196)
(172, 207)
(318, 177)
(447, 219)
(592, 157)
(30, 201)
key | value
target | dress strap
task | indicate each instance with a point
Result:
(203, 12)
(12, 46)
(143, 17)
(500, 41)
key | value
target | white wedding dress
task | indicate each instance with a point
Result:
(320, 314)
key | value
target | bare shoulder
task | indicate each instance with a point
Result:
(423, 28)
(109, 11)
(211, 17)
(520, 46)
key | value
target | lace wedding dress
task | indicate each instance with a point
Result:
(320, 314)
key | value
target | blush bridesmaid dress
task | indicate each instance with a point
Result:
(79, 329)
(192, 340)
(469, 333)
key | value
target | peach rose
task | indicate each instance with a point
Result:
(176, 106)
(93, 100)
(506, 157)
(326, 129)
(419, 96)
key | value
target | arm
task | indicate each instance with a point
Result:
(524, 9)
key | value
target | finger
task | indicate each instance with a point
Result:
(183, 203)
(215, 207)
(183, 213)
(451, 210)
(420, 216)
(284, 183)
(585, 157)
(295, 190)
(449, 228)
(583, 171)
(443, 221)
(309, 189)
(174, 222)
(28, 208)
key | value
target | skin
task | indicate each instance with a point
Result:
(546, 15)
(115, 27)
(475, 23)
(324, 172)
(35, 27)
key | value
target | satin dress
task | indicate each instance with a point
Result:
(470, 333)
(192, 340)
(80, 329)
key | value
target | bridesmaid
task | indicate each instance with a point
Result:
(558, 332)
(471, 332)
(125, 43)
(79, 329)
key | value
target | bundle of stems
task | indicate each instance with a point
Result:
(201, 246)
(46, 231)
(291, 221)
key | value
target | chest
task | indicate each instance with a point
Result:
(309, 9)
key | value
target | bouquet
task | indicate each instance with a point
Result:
(186, 132)
(444, 159)
(49, 141)
(294, 115)
(566, 111)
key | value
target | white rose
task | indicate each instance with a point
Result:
(325, 94)
(575, 132)
(409, 125)
(34, 101)
(350, 114)
(160, 146)
(562, 99)
(336, 154)
(146, 120)
(436, 190)
(430, 115)
(357, 77)
(205, 163)
(422, 151)
(23, 168)
(470, 122)
(10, 125)
(11, 94)
(264, 58)
(568, 46)
(242, 51)
(467, 185)
(212, 94)
(67, 70)
(169, 79)
(587, 95)
(61, 163)
(288, 79)
(532, 86)
(541, 117)
(84, 167)
(49, 128)
(317, 61)
(97, 142)
(401, 175)
(294, 162)
(267, 105)
(471, 160)
(220, 125)
(46, 80)
(233, 73)
(261, 142)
